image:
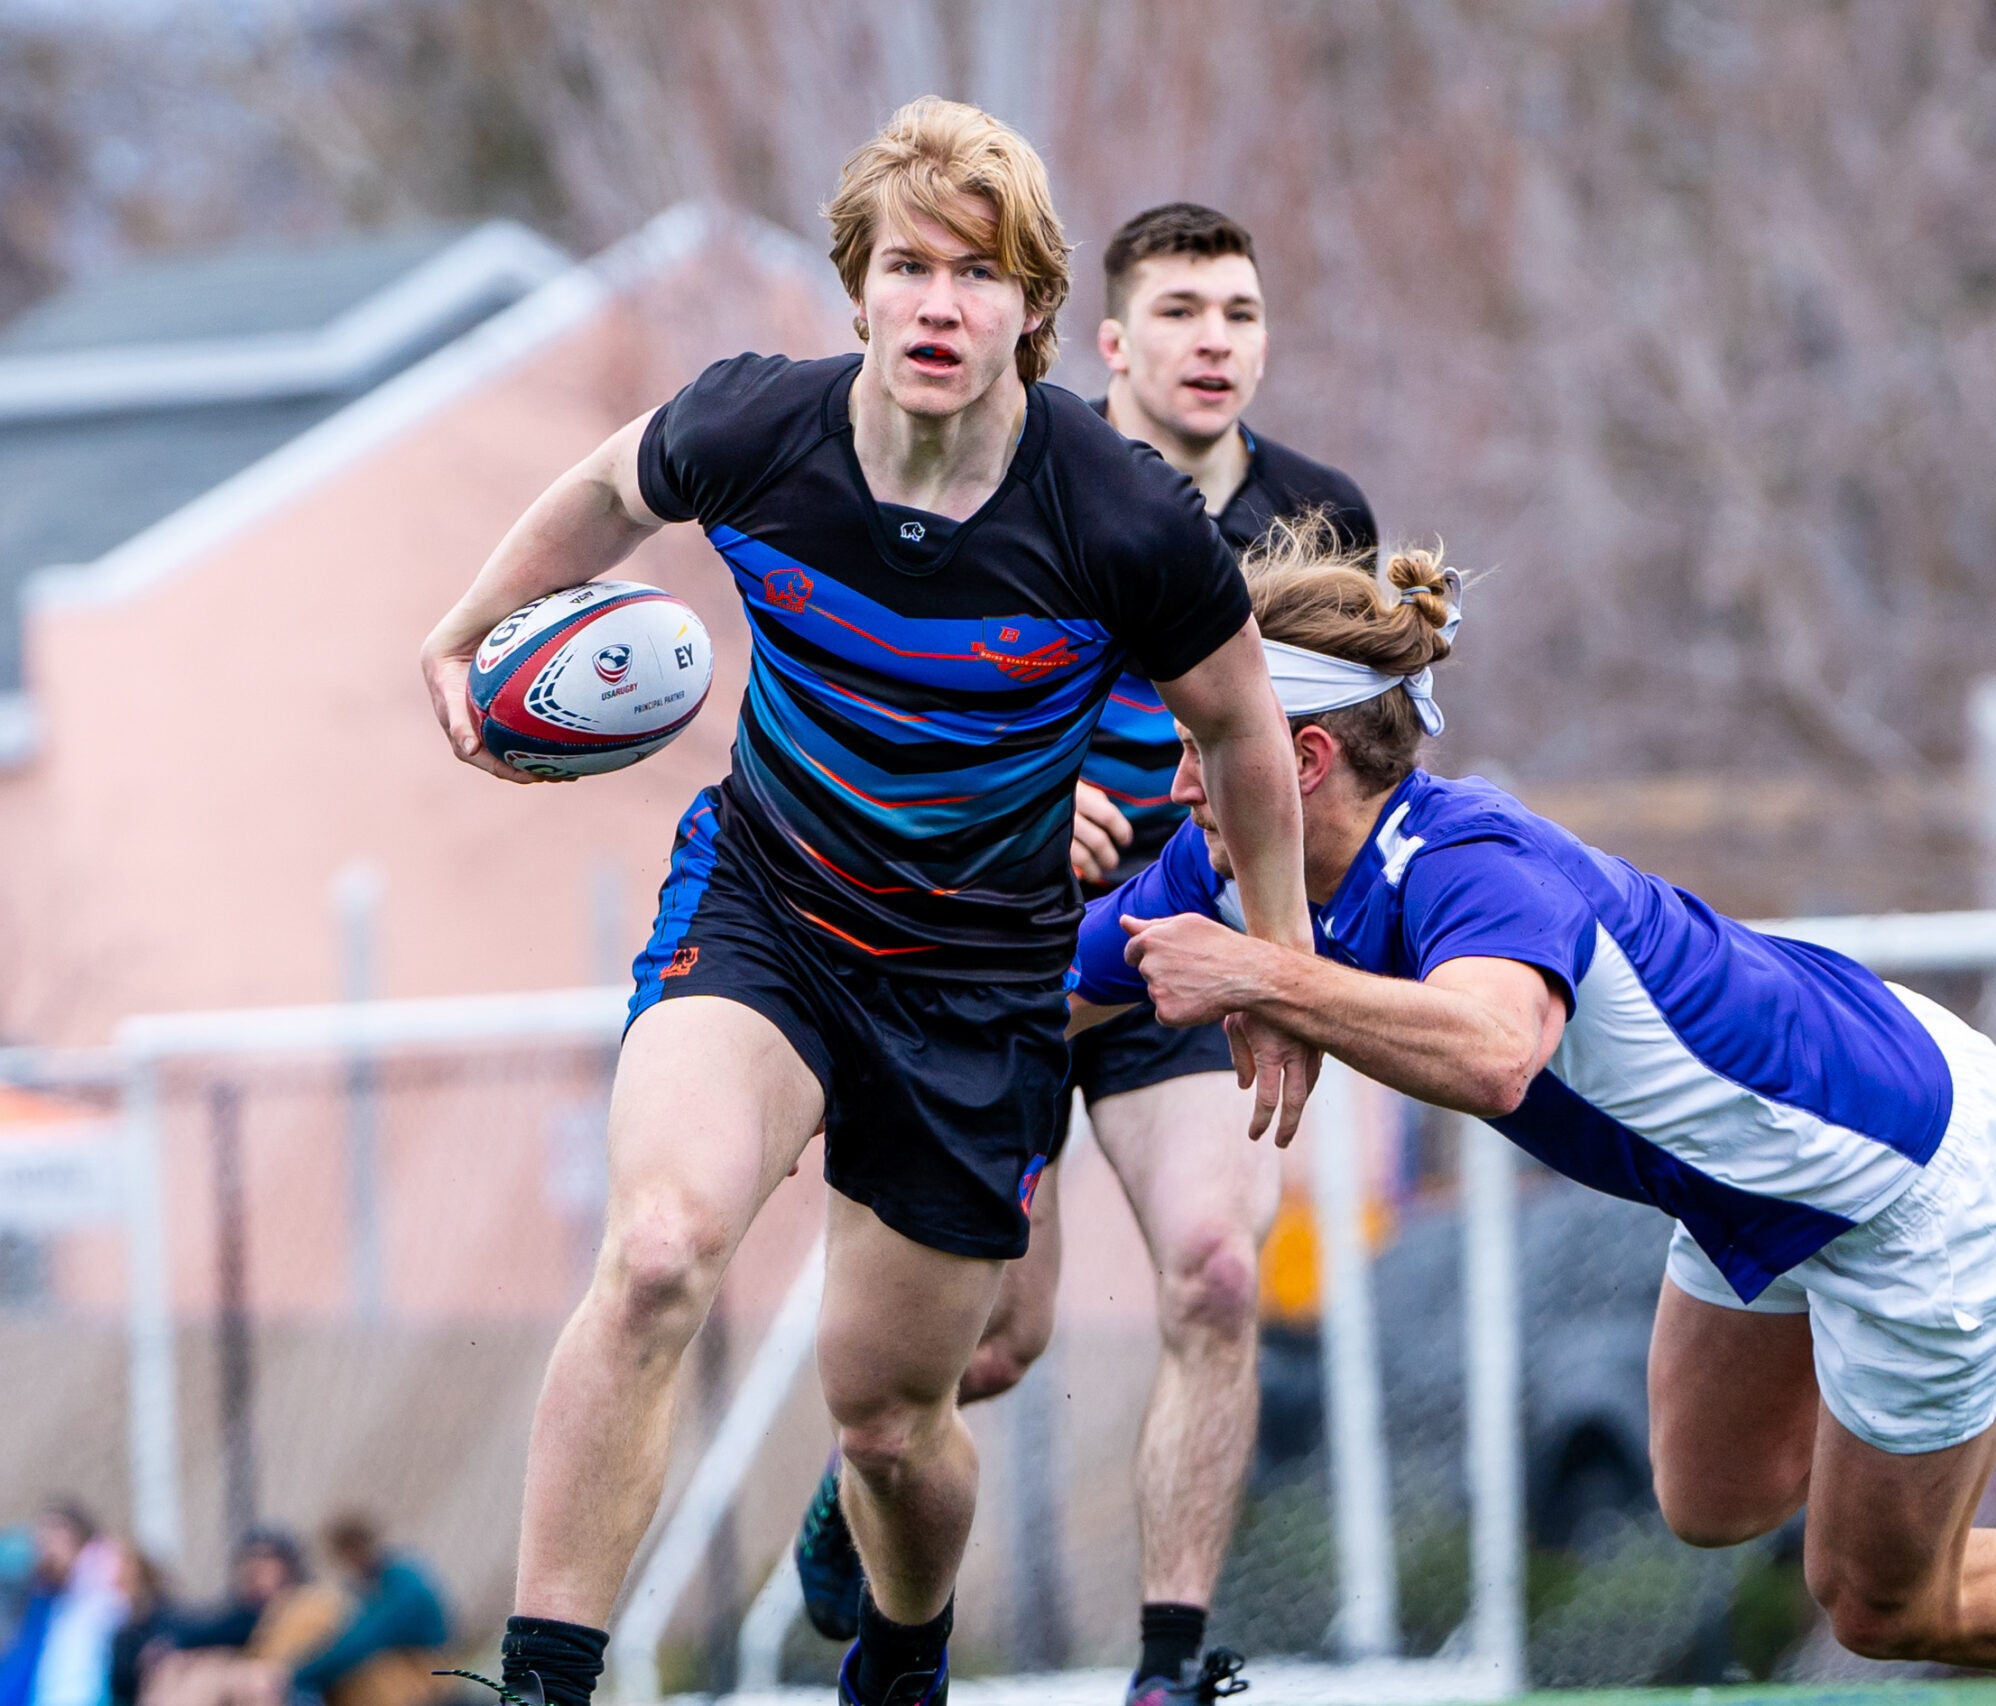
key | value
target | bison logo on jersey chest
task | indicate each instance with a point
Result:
(787, 589)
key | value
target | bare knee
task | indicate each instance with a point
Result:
(998, 1366)
(659, 1270)
(1209, 1285)
(1712, 1504)
(1698, 1524)
(1010, 1346)
(879, 1441)
(1878, 1625)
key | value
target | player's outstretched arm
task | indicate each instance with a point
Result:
(583, 525)
(1249, 770)
(1472, 1037)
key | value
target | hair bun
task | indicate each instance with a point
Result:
(1429, 585)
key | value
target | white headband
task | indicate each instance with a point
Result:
(1308, 683)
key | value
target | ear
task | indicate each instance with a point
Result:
(1318, 755)
(1109, 345)
(1033, 323)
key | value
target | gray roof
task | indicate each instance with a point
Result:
(125, 398)
(243, 293)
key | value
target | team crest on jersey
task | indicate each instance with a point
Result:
(1031, 1183)
(787, 589)
(613, 663)
(1007, 647)
(914, 532)
(683, 961)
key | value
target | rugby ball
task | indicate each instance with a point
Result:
(590, 679)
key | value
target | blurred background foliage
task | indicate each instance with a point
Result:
(1677, 318)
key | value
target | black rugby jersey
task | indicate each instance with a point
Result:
(1135, 750)
(918, 710)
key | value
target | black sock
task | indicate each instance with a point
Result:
(567, 1657)
(1172, 1637)
(890, 1650)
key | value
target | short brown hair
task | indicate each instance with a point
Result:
(929, 159)
(1311, 590)
(1176, 228)
(353, 1538)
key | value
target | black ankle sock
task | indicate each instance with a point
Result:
(567, 1657)
(889, 1650)
(1172, 1636)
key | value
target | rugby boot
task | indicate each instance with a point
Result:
(917, 1688)
(1216, 1678)
(529, 1693)
(828, 1567)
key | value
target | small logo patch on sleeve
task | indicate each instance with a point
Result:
(683, 961)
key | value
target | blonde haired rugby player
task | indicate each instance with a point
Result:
(1186, 342)
(945, 565)
(1827, 1329)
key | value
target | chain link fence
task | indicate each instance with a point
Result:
(368, 1238)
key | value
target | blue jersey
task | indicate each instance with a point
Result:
(921, 691)
(1769, 1094)
(1135, 750)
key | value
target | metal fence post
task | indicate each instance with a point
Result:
(1492, 1438)
(1368, 1618)
(154, 1420)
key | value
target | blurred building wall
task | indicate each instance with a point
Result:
(228, 728)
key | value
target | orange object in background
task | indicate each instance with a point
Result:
(1291, 1269)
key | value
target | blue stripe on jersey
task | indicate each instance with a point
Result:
(907, 727)
(1751, 1239)
(893, 848)
(909, 807)
(1133, 760)
(993, 654)
(1789, 1021)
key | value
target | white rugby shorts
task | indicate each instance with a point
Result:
(1902, 1308)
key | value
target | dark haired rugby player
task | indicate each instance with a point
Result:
(946, 567)
(1185, 341)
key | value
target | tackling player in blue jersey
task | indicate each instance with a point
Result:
(1825, 1141)
(946, 565)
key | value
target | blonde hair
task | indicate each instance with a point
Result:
(938, 159)
(1312, 590)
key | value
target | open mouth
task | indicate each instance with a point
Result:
(1211, 384)
(934, 358)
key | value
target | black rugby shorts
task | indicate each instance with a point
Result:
(1131, 1052)
(939, 1097)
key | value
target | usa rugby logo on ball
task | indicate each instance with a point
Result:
(591, 679)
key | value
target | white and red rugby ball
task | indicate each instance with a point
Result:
(591, 679)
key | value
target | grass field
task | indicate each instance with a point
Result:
(1911, 1691)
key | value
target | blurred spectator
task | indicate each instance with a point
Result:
(240, 1653)
(148, 1627)
(282, 1640)
(61, 1652)
(264, 1579)
(17, 1580)
(385, 1654)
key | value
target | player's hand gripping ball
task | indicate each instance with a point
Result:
(590, 679)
